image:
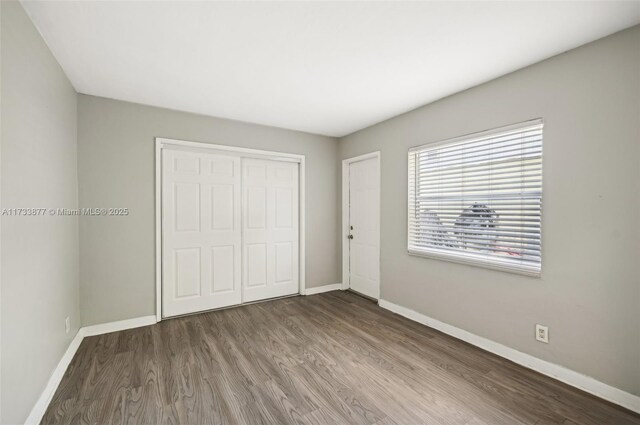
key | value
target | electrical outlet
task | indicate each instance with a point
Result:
(67, 324)
(542, 334)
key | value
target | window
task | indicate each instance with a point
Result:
(478, 199)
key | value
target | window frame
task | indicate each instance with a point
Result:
(470, 258)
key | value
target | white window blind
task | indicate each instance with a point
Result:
(478, 199)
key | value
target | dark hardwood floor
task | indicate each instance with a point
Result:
(333, 358)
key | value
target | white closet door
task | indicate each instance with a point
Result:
(201, 239)
(269, 229)
(364, 219)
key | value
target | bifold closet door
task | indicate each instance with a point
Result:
(201, 235)
(269, 229)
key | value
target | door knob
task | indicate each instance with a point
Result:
(350, 236)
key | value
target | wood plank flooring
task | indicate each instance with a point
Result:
(333, 358)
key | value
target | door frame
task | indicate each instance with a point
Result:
(346, 163)
(162, 143)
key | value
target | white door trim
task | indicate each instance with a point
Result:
(345, 210)
(161, 143)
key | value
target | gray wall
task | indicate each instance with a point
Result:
(116, 169)
(39, 254)
(589, 293)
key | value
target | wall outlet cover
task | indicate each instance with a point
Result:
(542, 333)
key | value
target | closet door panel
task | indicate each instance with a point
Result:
(270, 229)
(201, 231)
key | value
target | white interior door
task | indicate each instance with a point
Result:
(269, 229)
(364, 222)
(201, 238)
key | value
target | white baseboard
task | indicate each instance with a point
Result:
(41, 405)
(45, 398)
(560, 373)
(121, 325)
(325, 288)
